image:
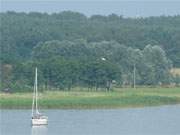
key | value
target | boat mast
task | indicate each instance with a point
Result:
(36, 92)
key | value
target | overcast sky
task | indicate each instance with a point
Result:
(133, 8)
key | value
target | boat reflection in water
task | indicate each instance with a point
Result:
(39, 130)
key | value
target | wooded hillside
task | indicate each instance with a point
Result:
(71, 49)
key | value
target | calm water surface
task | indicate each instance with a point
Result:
(164, 120)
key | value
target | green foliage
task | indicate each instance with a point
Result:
(157, 65)
(68, 48)
(20, 32)
(100, 74)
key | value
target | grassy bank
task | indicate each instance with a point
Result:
(126, 97)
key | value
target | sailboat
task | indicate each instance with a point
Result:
(37, 118)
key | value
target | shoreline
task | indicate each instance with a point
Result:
(120, 98)
(86, 109)
(100, 108)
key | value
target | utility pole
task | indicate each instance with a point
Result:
(134, 76)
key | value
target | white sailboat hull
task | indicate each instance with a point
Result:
(39, 121)
(37, 118)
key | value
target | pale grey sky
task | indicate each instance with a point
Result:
(131, 8)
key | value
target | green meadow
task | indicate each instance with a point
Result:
(78, 99)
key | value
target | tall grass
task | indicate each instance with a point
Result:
(124, 97)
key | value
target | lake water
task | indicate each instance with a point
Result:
(164, 120)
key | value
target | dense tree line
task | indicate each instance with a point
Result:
(66, 64)
(71, 50)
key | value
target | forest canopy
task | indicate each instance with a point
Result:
(71, 49)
